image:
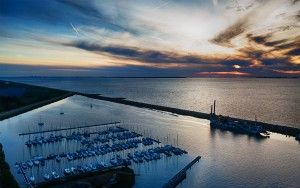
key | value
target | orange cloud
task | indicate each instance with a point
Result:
(233, 73)
(288, 71)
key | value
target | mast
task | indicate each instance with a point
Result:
(214, 107)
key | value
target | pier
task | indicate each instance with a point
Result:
(290, 131)
(181, 175)
(69, 128)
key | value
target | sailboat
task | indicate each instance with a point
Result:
(40, 123)
(61, 112)
(47, 177)
(31, 179)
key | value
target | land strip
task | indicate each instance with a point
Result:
(16, 98)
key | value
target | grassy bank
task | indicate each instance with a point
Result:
(16, 98)
(16, 95)
(6, 178)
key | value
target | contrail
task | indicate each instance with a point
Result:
(75, 29)
(165, 3)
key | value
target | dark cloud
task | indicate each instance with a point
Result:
(252, 52)
(276, 62)
(261, 39)
(297, 16)
(289, 45)
(150, 56)
(224, 38)
(265, 57)
(294, 52)
(19, 70)
(278, 45)
(266, 40)
(275, 42)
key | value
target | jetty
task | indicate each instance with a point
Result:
(181, 175)
(290, 131)
(69, 128)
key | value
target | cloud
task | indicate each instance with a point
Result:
(295, 51)
(266, 39)
(145, 37)
(261, 39)
(226, 74)
(150, 56)
(224, 38)
(295, 72)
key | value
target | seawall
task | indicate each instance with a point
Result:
(291, 131)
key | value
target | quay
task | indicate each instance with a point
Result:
(69, 128)
(290, 131)
(181, 175)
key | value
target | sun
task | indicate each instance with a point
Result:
(236, 66)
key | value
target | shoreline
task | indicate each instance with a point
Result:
(17, 98)
(21, 110)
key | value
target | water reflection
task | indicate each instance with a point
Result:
(228, 160)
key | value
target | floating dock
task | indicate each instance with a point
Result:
(69, 128)
(181, 175)
(26, 180)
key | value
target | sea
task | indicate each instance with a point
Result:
(270, 100)
(227, 159)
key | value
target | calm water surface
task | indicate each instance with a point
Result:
(270, 100)
(228, 160)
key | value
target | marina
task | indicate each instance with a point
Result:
(63, 154)
(122, 145)
(149, 94)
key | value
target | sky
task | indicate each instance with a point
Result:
(151, 38)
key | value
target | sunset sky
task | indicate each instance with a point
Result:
(194, 38)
